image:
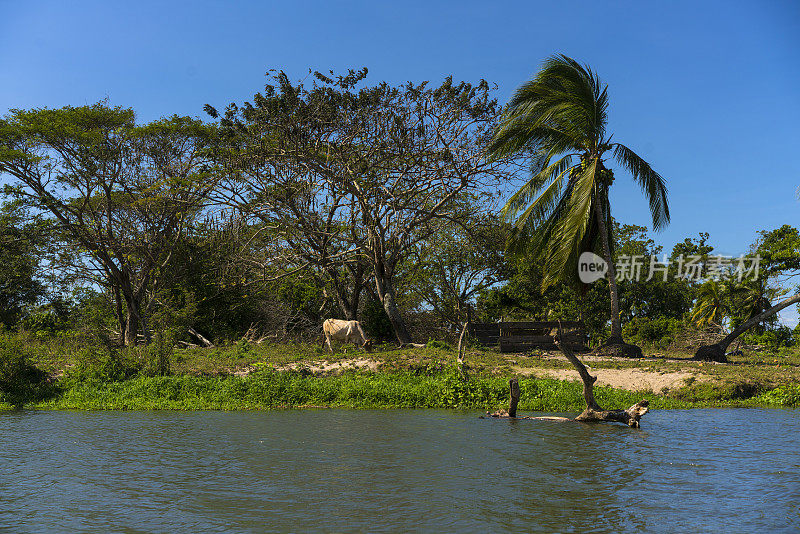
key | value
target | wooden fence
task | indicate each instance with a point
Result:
(527, 335)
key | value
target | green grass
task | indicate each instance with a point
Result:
(270, 390)
(267, 390)
(68, 374)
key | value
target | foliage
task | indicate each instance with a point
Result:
(354, 390)
(21, 238)
(19, 379)
(102, 364)
(559, 212)
(375, 322)
(788, 395)
(458, 263)
(657, 332)
(650, 294)
(348, 180)
(559, 119)
(122, 195)
(779, 250)
(773, 339)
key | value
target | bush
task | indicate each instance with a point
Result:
(19, 379)
(788, 395)
(773, 339)
(375, 321)
(103, 364)
(437, 344)
(658, 332)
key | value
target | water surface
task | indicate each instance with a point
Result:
(396, 471)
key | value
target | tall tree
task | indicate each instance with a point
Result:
(122, 193)
(458, 263)
(358, 177)
(559, 118)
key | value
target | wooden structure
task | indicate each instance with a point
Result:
(528, 335)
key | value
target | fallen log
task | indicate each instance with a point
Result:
(203, 341)
(593, 412)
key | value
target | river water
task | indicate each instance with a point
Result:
(397, 471)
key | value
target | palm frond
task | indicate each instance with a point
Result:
(553, 173)
(565, 104)
(653, 184)
(562, 251)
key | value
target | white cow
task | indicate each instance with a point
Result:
(346, 331)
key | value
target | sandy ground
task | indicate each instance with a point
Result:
(323, 367)
(630, 379)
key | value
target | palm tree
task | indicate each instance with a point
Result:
(711, 306)
(716, 352)
(754, 297)
(559, 119)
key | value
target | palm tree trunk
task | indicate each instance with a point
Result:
(716, 352)
(616, 325)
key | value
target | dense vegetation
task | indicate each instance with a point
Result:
(123, 244)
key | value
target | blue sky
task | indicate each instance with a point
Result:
(705, 91)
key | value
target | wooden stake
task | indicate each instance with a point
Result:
(514, 399)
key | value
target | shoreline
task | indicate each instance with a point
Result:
(250, 376)
(271, 390)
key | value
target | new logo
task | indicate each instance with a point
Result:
(591, 267)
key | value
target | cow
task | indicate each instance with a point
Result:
(346, 331)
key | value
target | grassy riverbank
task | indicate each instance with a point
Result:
(270, 390)
(45, 375)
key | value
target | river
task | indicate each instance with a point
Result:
(715, 470)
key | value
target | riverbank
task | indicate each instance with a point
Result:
(245, 376)
(275, 390)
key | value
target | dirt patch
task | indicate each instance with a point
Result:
(325, 367)
(630, 379)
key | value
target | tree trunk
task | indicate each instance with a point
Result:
(513, 398)
(133, 318)
(203, 341)
(121, 318)
(398, 324)
(593, 412)
(716, 352)
(616, 325)
(131, 328)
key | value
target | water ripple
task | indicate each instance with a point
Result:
(397, 470)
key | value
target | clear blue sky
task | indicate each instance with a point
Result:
(708, 92)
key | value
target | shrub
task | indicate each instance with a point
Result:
(19, 379)
(781, 336)
(375, 321)
(788, 395)
(103, 364)
(437, 344)
(658, 332)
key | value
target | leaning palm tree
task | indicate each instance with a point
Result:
(559, 119)
(716, 352)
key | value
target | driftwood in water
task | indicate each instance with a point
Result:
(513, 400)
(593, 411)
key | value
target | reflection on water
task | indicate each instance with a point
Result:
(397, 470)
